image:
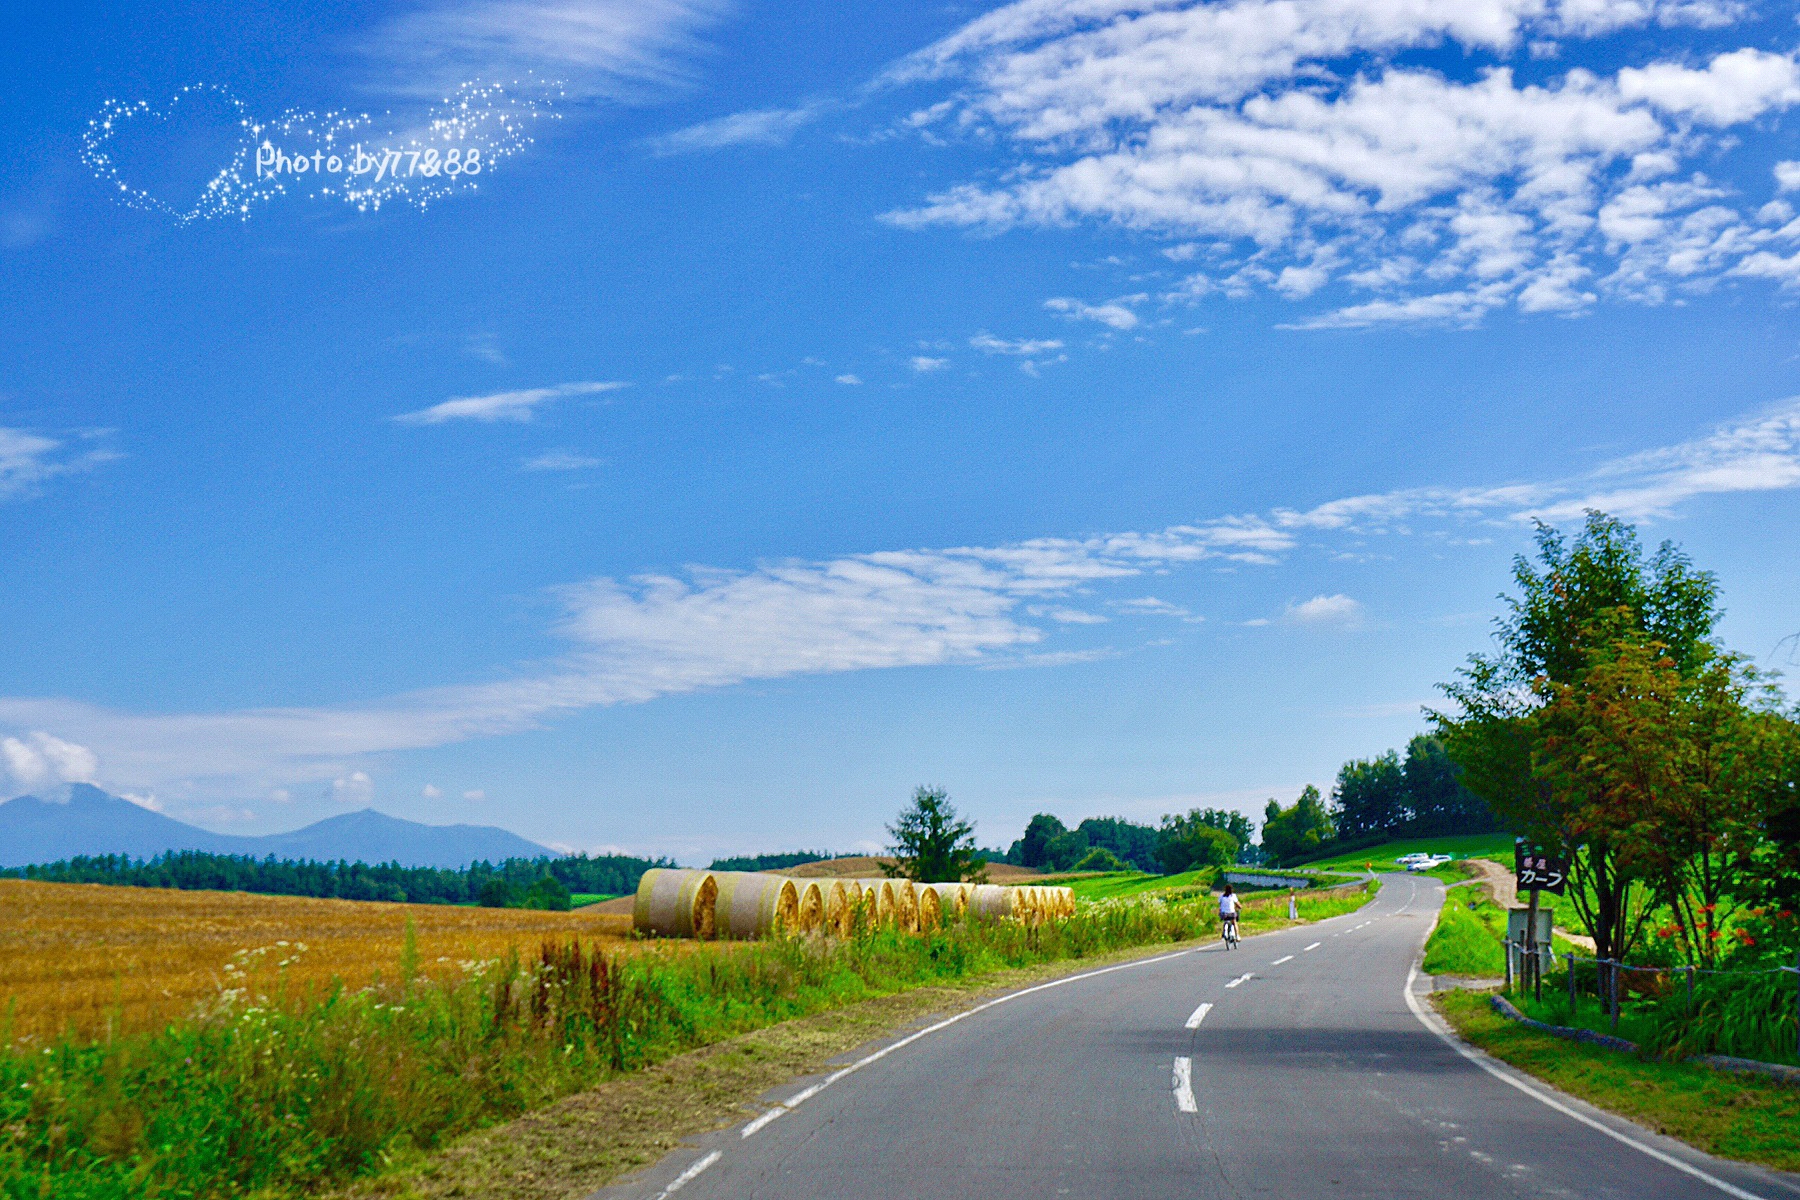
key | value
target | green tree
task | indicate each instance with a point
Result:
(1100, 859)
(548, 893)
(1676, 769)
(930, 844)
(497, 893)
(1434, 789)
(1290, 834)
(1034, 849)
(1370, 795)
(1585, 597)
(1205, 837)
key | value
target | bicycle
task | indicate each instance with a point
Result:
(1229, 932)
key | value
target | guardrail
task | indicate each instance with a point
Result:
(1610, 970)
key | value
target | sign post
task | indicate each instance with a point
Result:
(1537, 871)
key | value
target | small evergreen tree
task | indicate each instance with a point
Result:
(930, 844)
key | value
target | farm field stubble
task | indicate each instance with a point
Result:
(91, 959)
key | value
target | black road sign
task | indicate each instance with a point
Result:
(1536, 869)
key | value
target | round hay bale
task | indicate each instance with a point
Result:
(906, 905)
(992, 901)
(881, 902)
(753, 905)
(953, 899)
(840, 907)
(676, 902)
(930, 906)
(811, 913)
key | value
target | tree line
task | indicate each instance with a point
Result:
(1376, 800)
(542, 882)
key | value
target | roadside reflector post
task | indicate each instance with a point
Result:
(1509, 973)
(1293, 907)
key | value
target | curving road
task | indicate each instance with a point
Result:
(1300, 1064)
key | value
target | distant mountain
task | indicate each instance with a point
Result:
(92, 822)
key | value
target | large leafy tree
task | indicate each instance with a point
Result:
(930, 844)
(1290, 834)
(1202, 838)
(1675, 768)
(1370, 795)
(1579, 601)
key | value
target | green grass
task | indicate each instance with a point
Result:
(1121, 885)
(1733, 1116)
(1470, 935)
(1497, 846)
(583, 899)
(264, 1095)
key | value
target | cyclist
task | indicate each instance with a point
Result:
(1228, 916)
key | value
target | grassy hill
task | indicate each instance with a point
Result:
(1497, 846)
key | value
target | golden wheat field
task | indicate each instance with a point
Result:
(86, 957)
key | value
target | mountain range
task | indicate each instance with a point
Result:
(91, 822)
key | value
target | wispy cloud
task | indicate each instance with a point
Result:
(501, 406)
(761, 127)
(625, 51)
(923, 363)
(28, 460)
(560, 460)
(1114, 315)
(1022, 346)
(632, 640)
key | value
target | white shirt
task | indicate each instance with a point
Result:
(1228, 906)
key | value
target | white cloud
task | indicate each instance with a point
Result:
(486, 347)
(355, 788)
(629, 51)
(1116, 316)
(148, 801)
(1285, 142)
(659, 634)
(1787, 176)
(29, 459)
(560, 460)
(1336, 609)
(922, 363)
(474, 794)
(431, 792)
(501, 406)
(39, 758)
(849, 379)
(762, 127)
(1024, 346)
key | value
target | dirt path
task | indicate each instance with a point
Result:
(1501, 884)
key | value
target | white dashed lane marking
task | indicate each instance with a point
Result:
(1240, 979)
(1199, 1015)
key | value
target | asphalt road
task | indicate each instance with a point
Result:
(1296, 1065)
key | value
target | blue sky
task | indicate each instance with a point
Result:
(1090, 407)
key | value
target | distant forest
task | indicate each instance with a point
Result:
(768, 862)
(543, 882)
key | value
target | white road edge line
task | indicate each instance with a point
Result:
(1240, 979)
(1314, 946)
(1199, 1015)
(688, 1176)
(1481, 1060)
(1282, 959)
(790, 1105)
(1184, 1085)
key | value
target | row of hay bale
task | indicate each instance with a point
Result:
(680, 902)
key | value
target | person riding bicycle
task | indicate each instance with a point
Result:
(1228, 914)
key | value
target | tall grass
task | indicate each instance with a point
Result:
(267, 1093)
(1466, 940)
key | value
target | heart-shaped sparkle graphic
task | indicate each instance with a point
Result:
(446, 149)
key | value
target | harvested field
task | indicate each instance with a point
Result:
(79, 956)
